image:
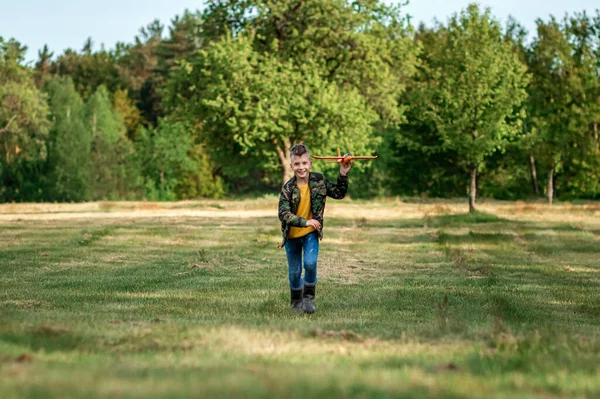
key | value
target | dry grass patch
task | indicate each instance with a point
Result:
(267, 207)
(345, 269)
(25, 304)
(235, 339)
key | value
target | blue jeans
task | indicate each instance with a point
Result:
(293, 250)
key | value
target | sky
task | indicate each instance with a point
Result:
(63, 24)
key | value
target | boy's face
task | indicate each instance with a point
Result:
(301, 165)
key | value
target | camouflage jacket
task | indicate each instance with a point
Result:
(320, 189)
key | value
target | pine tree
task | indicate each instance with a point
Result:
(112, 173)
(185, 38)
(43, 66)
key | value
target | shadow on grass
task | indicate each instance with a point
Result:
(48, 339)
(463, 219)
(474, 237)
(457, 220)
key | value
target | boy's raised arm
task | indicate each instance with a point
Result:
(337, 190)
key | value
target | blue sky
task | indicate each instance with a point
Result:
(68, 23)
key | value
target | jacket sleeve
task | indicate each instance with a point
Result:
(338, 190)
(285, 214)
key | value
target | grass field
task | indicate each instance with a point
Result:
(415, 300)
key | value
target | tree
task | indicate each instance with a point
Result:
(582, 167)
(70, 142)
(164, 153)
(89, 70)
(124, 106)
(596, 48)
(101, 118)
(563, 94)
(115, 170)
(23, 119)
(323, 71)
(428, 167)
(43, 66)
(23, 109)
(137, 65)
(113, 173)
(516, 35)
(364, 45)
(476, 82)
(264, 106)
(226, 17)
(185, 38)
(201, 180)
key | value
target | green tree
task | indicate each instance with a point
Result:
(581, 175)
(43, 66)
(23, 120)
(200, 181)
(164, 152)
(185, 38)
(563, 95)
(596, 35)
(113, 171)
(101, 118)
(70, 142)
(264, 106)
(137, 66)
(476, 83)
(129, 112)
(89, 70)
(323, 72)
(525, 148)
(226, 17)
(365, 45)
(428, 167)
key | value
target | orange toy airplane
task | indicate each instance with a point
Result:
(347, 158)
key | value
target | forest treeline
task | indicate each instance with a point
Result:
(210, 105)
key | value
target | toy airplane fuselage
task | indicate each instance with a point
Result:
(347, 158)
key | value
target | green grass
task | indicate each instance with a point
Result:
(422, 306)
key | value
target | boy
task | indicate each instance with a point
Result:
(301, 207)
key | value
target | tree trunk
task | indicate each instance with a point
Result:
(550, 186)
(533, 175)
(596, 134)
(284, 159)
(7, 153)
(473, 190)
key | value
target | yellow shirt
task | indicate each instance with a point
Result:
(304, 212)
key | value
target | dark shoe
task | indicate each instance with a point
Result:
(296, 302)
(308, 299)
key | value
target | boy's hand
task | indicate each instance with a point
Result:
(314, 223)
(345, 168)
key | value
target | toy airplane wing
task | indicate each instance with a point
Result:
(344, 158)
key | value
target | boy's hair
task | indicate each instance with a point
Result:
(299, 149)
